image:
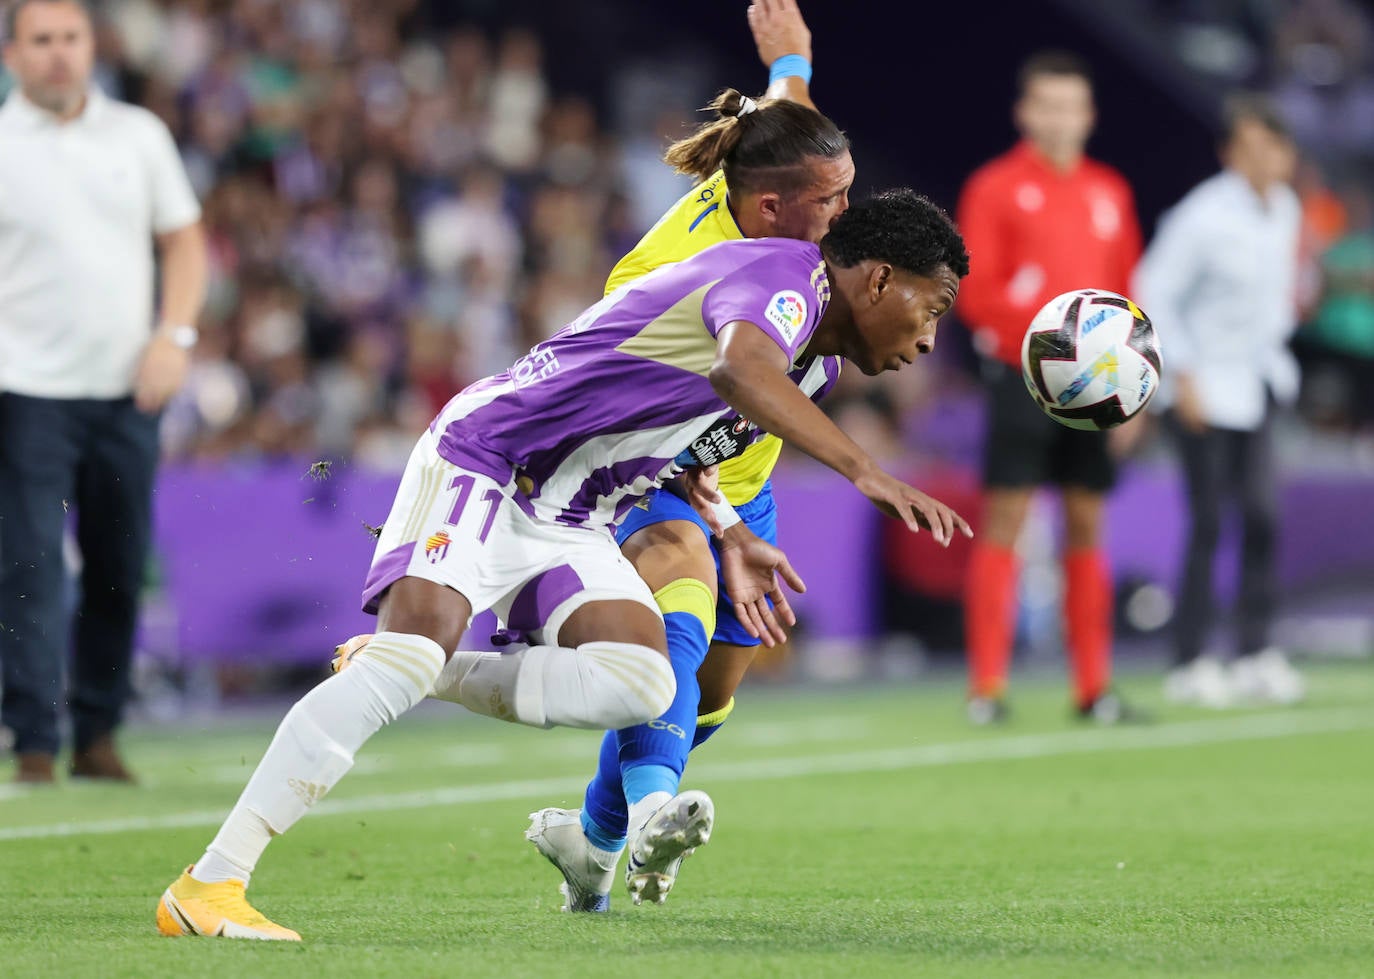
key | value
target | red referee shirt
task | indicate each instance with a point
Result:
(1034, 232)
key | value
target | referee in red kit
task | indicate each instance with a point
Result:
(1040, 220)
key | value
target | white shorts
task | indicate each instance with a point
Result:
(464, 530)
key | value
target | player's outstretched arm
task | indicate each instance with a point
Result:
(750, 375)
(784, 45)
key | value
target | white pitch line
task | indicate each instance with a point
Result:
(765, 734)
(1016, 748)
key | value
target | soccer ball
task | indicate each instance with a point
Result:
(1090, 359)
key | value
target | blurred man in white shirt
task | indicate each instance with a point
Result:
(87, 186)
(1219, 281)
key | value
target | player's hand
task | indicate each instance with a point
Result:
(1188, 405)
(749, 569)
(778, 29)
(702, 484)
(911, 506)
(161, 372)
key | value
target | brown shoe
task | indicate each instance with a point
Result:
(35, 768)
(100, 760)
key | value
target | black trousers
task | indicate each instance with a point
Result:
(1221, 466)
(97, 458)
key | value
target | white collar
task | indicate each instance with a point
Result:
(1239, 186)
(19, 108)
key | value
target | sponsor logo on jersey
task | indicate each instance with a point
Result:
(436, 547)
(537, 365)
(786, 311)
(1030, 197)
(1106, 217)
(726, 439)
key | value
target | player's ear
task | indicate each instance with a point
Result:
(879, 281)
(770, 205)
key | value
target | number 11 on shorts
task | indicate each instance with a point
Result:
(492, 498)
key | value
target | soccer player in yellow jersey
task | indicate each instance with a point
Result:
(776, 168)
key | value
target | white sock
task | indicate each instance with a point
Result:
(314, 747)
(605, 859)
(644, 808)
(599, 685)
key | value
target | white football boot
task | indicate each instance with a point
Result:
(671, 834)
(1267, 677)
(1201, 683)
(587, 878)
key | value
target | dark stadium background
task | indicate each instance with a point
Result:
(923, 89)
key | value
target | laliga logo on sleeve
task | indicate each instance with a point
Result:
(786, 311)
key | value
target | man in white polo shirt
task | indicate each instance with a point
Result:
(1219, 280)
(87, 186)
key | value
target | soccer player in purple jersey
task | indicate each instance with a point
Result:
(775, 168)
(509, 499)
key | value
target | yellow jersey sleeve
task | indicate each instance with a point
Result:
(700, 219)
(742, 477)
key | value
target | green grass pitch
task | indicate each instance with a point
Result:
(859, 833)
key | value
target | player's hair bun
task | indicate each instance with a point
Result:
(771, 147)
(733, 104)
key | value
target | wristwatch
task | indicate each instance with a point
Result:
(183, 335)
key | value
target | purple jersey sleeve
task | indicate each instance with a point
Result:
(775, 292)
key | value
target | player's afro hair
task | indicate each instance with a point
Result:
(899, 227)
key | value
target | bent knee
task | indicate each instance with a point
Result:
(664, 552)
(640, 682)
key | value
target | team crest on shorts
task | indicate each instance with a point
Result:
(436, 547)
(787, 311)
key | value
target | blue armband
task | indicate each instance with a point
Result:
(790, 66)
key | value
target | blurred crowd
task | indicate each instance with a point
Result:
(392, 213)
(395, 211)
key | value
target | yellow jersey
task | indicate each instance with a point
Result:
(699, 220)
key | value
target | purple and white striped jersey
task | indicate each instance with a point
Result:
(593, 418)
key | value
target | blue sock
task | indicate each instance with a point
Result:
(600, 837)
(608, 827)
(643, 780)
(689, 616)
(689, 619)
(605, 816)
